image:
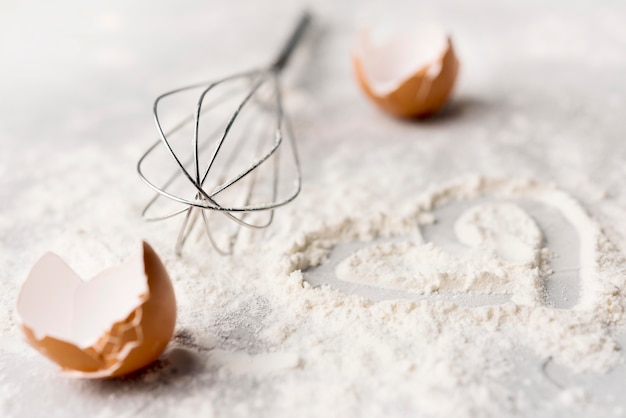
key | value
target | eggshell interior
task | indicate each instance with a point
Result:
(55, 302)
(389, 57)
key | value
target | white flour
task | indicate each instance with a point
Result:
(506, 258)
(255, 338)
(453, 359)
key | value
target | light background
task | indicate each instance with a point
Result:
(542, 93)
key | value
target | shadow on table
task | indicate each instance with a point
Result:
(457, 109)
(177, 363)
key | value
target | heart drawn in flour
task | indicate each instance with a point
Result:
(501, 243)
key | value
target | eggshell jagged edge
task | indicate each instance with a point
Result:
(141, 336)
(419, 95)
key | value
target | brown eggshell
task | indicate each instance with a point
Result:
(127, 344)
(418, 95)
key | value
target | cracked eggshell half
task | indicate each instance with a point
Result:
(113, 324)
(408, 74)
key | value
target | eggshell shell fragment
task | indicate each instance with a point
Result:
(409, 75)
(116, 323)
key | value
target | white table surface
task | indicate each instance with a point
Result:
(542, 93)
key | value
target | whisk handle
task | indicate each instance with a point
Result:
(292, 42)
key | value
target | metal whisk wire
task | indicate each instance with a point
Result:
(206, 200)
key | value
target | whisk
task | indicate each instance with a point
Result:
(233, 169)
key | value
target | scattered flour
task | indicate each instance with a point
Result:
(504, 229)
(455, 360)
(255, 338)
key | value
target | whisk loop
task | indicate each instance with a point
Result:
(240, 176)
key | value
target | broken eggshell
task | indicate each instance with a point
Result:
(113, 324)
(408, 74)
